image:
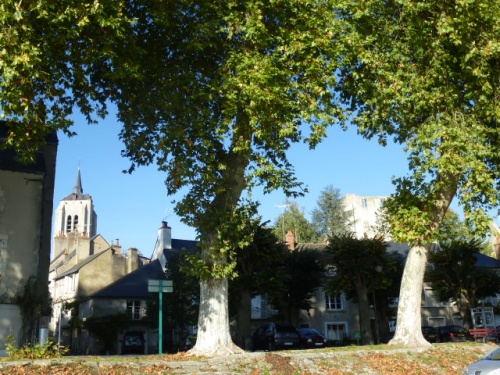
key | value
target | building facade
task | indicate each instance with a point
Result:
(365, 212)
(26, 196)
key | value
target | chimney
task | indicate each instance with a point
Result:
(163, 242)
(132, 260)
(117, 248)
(290, 240)
(165, 236)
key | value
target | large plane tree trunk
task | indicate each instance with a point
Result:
(214, 337)
(409, 320)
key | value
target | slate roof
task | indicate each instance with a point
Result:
(183, 245)
(483, 260)
(80, 265)
(135, 284)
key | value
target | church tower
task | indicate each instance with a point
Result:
(75, 224)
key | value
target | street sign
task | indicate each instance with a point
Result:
(166, 286)
(160, 286)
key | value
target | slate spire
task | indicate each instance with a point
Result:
(78, 185)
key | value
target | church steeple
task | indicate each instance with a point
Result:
(75, 217)
(77, 190)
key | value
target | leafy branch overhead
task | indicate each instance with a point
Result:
(55, 57)
(428, 75)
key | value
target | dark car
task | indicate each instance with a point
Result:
(133, 342)
(452, 333)
(274, 336)
(311, 338)
(430, 333)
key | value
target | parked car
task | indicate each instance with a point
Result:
(488, 365)
(430, 333)
(311, 338)
(452, 333)
(133, 342)
(274, 336)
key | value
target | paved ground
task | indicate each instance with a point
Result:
(381, 360)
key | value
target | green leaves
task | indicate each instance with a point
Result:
(54, 56)
(427, 75)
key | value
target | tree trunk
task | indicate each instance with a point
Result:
(364, 313)
(214, 338)
(244, 329)
(464, 307)
(409, 320)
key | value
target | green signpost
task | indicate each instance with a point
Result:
(160, 287)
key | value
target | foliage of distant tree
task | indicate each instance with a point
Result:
(454, 230)
(260, 269)
(294, 219)
(355, 274)
(454, 276)
(302, 273)
(387, 290)
(267, 267)
(330, 217)
(427, 74)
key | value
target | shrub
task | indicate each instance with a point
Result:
(48, 349)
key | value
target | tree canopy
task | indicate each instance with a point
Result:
(222, 91)
(330, 217)
(54, 57)
(355, 263)
(302, 274)
(294, 219)
(455, 276)
(260, 269)
(427, 74)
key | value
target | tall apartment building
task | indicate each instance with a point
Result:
(364, 212)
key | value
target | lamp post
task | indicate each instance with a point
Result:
(378, 269)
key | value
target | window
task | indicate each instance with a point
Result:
(364, 203)
(69, 283)
(134, 309)
(68, 224)
(334, 302)
(336, 331)
(75, 222)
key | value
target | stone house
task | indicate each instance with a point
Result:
(84, 262)
(26, 195)
(130, 295)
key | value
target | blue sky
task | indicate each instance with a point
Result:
(130, 207)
